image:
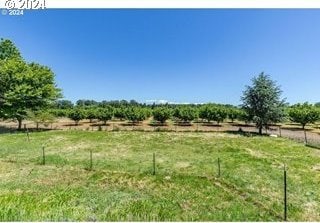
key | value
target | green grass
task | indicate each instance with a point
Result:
(121, 186)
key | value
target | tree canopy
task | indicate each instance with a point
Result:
(23, 86)
(304, 114)
(162, 114)
(262, 101)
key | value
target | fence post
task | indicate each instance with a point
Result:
(90, 159)
(28, 135)
(285, 192)
(43, 156)
(154, 164)
(219, 169)
(305, 137)
(280, 131)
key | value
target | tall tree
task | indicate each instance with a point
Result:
(23, 86)
(262, 101)
(26, 87)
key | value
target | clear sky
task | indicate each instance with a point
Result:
(175, 55)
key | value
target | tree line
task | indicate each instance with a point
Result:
(207, 113)
(28, 91)
(140, 112)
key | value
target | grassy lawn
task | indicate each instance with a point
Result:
(121, 186)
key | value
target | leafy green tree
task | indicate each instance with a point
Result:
(60, 112)
(243, 116)
(26, 87)
(8, 50)
(92, 113)
(105, 114)
(162, 114)
(185, 113)
(120, 113)
(63, 104)
(233, 113)
(262, 102)
(23, 86)
(84, 102)
(41, 117)
(304, 114)
(136, 114)
(213, 113)
(77, 114)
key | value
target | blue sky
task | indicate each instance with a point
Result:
(175, 55)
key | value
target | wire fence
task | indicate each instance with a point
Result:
(297, 134)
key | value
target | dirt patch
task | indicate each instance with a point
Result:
(182, 165)
(311, 211)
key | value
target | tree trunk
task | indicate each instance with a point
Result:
(260, 130)
(19, 123)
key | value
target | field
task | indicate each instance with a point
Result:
(186, 186)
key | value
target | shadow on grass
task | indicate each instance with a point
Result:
(73, 124)
(4, 130)
(244, 133)
(130, 124)
(242, 125)
(313, 146)
(100, 124)
(208, 124)
(295, 129)
(158, 124)
(182, 124)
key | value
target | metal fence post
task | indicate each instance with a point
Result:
(154, 164)
(43, 156)
(285, 192)
(219, 169)
(90, 159)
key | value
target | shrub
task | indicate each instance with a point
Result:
(120, 113)
(161, 114)
(185, 113)
(213, 113)
(136, 114)
(304, 114)
(77, 114)
(233, 113)
(91, 114)
(105, 114)
(41, 117)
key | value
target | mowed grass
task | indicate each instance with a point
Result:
(121, 187)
